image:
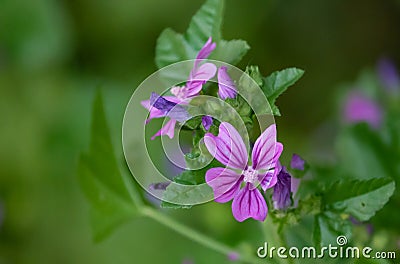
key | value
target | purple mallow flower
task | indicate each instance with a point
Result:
(162, 106)
(360, 108)
(388, 74)
(173, 110)
(287, 185)
(198, 76)
(229, 149)
(282, 190)
(226, 86)
(297, 162)
(207, 122)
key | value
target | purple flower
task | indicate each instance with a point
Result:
(227, 88)
(287, 185)
(199, 75)
(169, 108)
(282, 190)
(297, 162)
(207, 122)
(229, 149)
(169, 128)
(359, 108)
(388, 74)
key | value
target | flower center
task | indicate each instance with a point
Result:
(179, 92)
(250, 175)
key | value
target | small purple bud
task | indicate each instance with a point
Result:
(233, 256)
(171, 109)
(207, 122)
(297, 162)
(388, 74)
(359, 108)
(281, 195)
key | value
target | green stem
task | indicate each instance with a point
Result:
(194, 235)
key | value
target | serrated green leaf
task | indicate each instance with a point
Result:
(276, 83)
(184, 192)
(170, 48)
(254, 72)
(173, 47)
(205, 23)
(327, 227)
(101, 179)
(183, 196)
(362, 199)
(231, 51)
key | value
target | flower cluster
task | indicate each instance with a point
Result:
(242, 176)
(161, 106)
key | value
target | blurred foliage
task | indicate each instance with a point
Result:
(53, 54)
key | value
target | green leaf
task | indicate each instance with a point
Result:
(230, 51)
(170, 48)
(327, 227)
(276, 83)
(205, 23)
(101, 179)
(184, 196)
(174, 47)
(184, 192)
(361, 199)
(254, 72)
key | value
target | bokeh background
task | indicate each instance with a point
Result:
(55, 54)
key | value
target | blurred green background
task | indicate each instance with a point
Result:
(53, 56)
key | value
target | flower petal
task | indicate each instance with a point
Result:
(224, 182)
(266, 150)
(297, 162)
(228, 147)
(281, 195)
(198, 77)
(206, 50)
(249, 203)
(168, 129)
(173, 110)
(154, 112)
(227, 88)
(269, 180)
